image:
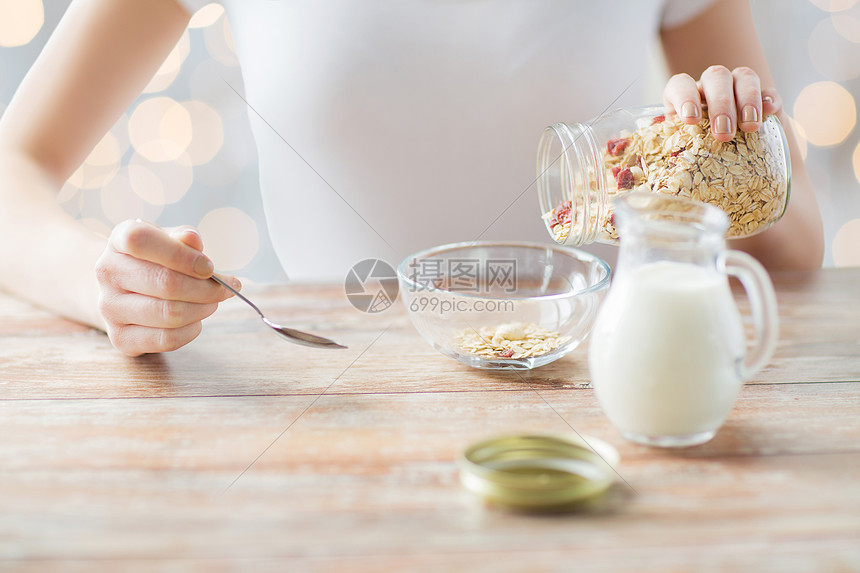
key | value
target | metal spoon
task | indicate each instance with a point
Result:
(290, 334)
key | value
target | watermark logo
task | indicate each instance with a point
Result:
(466, 275)
(371, 285)
(436, 284)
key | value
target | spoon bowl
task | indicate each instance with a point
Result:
(291, 334)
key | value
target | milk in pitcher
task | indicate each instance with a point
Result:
(666, 355)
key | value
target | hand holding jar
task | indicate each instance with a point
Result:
(696, 153)
(734, 98)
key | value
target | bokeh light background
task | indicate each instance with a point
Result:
(183, 152)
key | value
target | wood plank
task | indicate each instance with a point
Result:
(128, 464)
(217, 433)
(838, 556)
(772, 502)
(374, 475)
(45, 357)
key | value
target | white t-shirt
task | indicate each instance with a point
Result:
(388, 126)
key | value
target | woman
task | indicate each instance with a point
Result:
(382, 127)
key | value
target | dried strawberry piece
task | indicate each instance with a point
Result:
(506, 353)
(658, 119)
(615, 171)
(624, 179)
(617, 145)
(561, 214)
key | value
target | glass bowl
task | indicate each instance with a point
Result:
(503, 305)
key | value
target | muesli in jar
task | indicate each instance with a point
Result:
(746, 177)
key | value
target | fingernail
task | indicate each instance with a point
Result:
(767, 99)
(203, 266)
(689, 110)
(722, 124)
(749, 114)
(237, 284)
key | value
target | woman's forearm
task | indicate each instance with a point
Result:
(97, 61)
(725, 35)
(795, 242)
(46, 257)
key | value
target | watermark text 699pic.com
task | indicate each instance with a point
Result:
(431, 303)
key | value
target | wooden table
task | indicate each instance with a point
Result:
(243, 452)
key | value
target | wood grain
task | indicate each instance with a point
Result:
(242, 452)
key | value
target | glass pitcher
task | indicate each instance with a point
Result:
(668, 353)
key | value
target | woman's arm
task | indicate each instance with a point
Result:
(721, 47)
(141, 285)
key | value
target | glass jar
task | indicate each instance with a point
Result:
(583, 167)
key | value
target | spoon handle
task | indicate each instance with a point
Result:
(237, 293)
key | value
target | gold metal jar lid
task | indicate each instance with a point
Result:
(536, 472)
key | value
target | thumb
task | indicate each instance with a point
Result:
(188, 235)
(191, 237)
(771, 102)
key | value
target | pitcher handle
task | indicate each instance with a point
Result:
(759, 291)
